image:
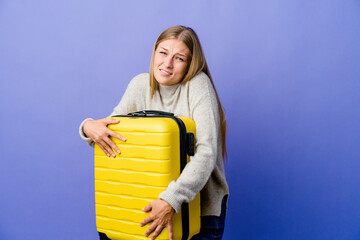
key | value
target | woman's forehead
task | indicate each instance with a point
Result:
(174, 45)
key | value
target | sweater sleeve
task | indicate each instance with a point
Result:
(82, 134)
(204, 108)
(129, 102)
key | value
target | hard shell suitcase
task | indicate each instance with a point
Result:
(157, 148)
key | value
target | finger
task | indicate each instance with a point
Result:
(117, 135)
(152, 227)
(147, 208)
(148, 219)
(112, 133)
(170, 230)
(108, 121)
(110, 143)
(104, 149)
(158, 230)
(107, 148)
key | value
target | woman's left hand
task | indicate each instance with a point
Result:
(161, 216)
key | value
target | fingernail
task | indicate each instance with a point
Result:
(118, 151)
(124, 139)
(113, 155)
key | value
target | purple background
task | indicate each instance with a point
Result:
(287, 73)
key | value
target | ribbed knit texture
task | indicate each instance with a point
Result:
(195, 99)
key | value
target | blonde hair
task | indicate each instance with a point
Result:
(197, 63)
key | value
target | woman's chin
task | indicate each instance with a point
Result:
(163, 80)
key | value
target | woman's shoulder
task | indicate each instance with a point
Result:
(200, 84)
(139, 82)
(200, 79)
(141, 78)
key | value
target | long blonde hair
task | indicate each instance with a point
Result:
(197, 64)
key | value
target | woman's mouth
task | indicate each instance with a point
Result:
(165, 73)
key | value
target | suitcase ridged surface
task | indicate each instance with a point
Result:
(149, 161)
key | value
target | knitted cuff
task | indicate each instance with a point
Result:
(169, 198)
(82, 134)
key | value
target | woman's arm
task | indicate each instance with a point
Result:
(205, 113)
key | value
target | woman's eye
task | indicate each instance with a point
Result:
(163, 53)
(181, 59)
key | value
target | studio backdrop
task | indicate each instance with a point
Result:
(287, 73)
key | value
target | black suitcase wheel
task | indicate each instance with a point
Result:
(103, 236)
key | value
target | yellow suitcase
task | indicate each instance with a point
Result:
(157, 148)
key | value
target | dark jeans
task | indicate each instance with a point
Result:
(212, 227)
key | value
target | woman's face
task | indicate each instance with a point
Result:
(171, 61)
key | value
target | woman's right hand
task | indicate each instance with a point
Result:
(98, 131)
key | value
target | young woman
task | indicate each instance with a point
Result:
(179, 81)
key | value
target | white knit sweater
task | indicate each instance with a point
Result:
(195, 99)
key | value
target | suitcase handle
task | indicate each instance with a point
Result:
(144, 113)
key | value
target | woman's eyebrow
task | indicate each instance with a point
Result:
(164, 48)
(179, 53)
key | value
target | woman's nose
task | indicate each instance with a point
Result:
(168, 62)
